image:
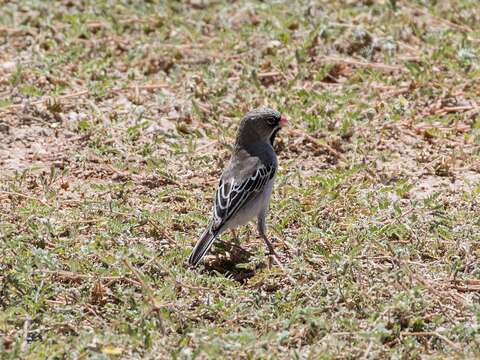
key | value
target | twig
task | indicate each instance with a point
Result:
(314, 141)
(472, 281)
(367, 351)
(473, 288)
(138, 276)
(268, 74)
(56, 302)
(450, 109)
(468, 285)
(7, 30)
(193, 287)
(431, 333)
(371, 65)
(348, 333)
(462, 28)
(398, 217)
(338, 24)
(83, 221)
(148, 290)
(261, 75)
(44, 100)
(199, 61)
(26, 326)
(92, 311)
(389, 94)
(163, 232)
(148, 87)
(13, 193)
(69, 275)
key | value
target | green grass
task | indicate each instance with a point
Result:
(106, 186)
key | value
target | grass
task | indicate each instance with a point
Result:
(116, 121)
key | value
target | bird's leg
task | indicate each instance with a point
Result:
(262, 227)
(262, 231)
(276, 259)
(271, 250)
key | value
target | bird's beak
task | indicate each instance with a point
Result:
(283, 121)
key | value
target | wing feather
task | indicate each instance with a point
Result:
(232, 194)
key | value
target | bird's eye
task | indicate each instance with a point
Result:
(271, 121)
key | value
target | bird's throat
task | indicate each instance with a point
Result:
(274, 133)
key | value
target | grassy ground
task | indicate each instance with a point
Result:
(117, 119)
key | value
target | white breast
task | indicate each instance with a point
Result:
(253, 208)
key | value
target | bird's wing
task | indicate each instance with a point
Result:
(236, 188)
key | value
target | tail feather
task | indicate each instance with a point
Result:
(202, 246)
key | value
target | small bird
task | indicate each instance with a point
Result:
(246, 184)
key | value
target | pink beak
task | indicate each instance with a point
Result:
(283, 120)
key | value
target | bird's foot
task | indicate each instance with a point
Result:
(271, 250)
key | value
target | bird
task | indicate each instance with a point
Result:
(246, 183)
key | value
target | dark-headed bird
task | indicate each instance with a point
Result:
(246, 184)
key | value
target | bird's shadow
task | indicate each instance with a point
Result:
(228, 265)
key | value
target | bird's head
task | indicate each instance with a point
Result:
(260, 125)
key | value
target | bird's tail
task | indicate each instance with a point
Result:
(203, 244)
